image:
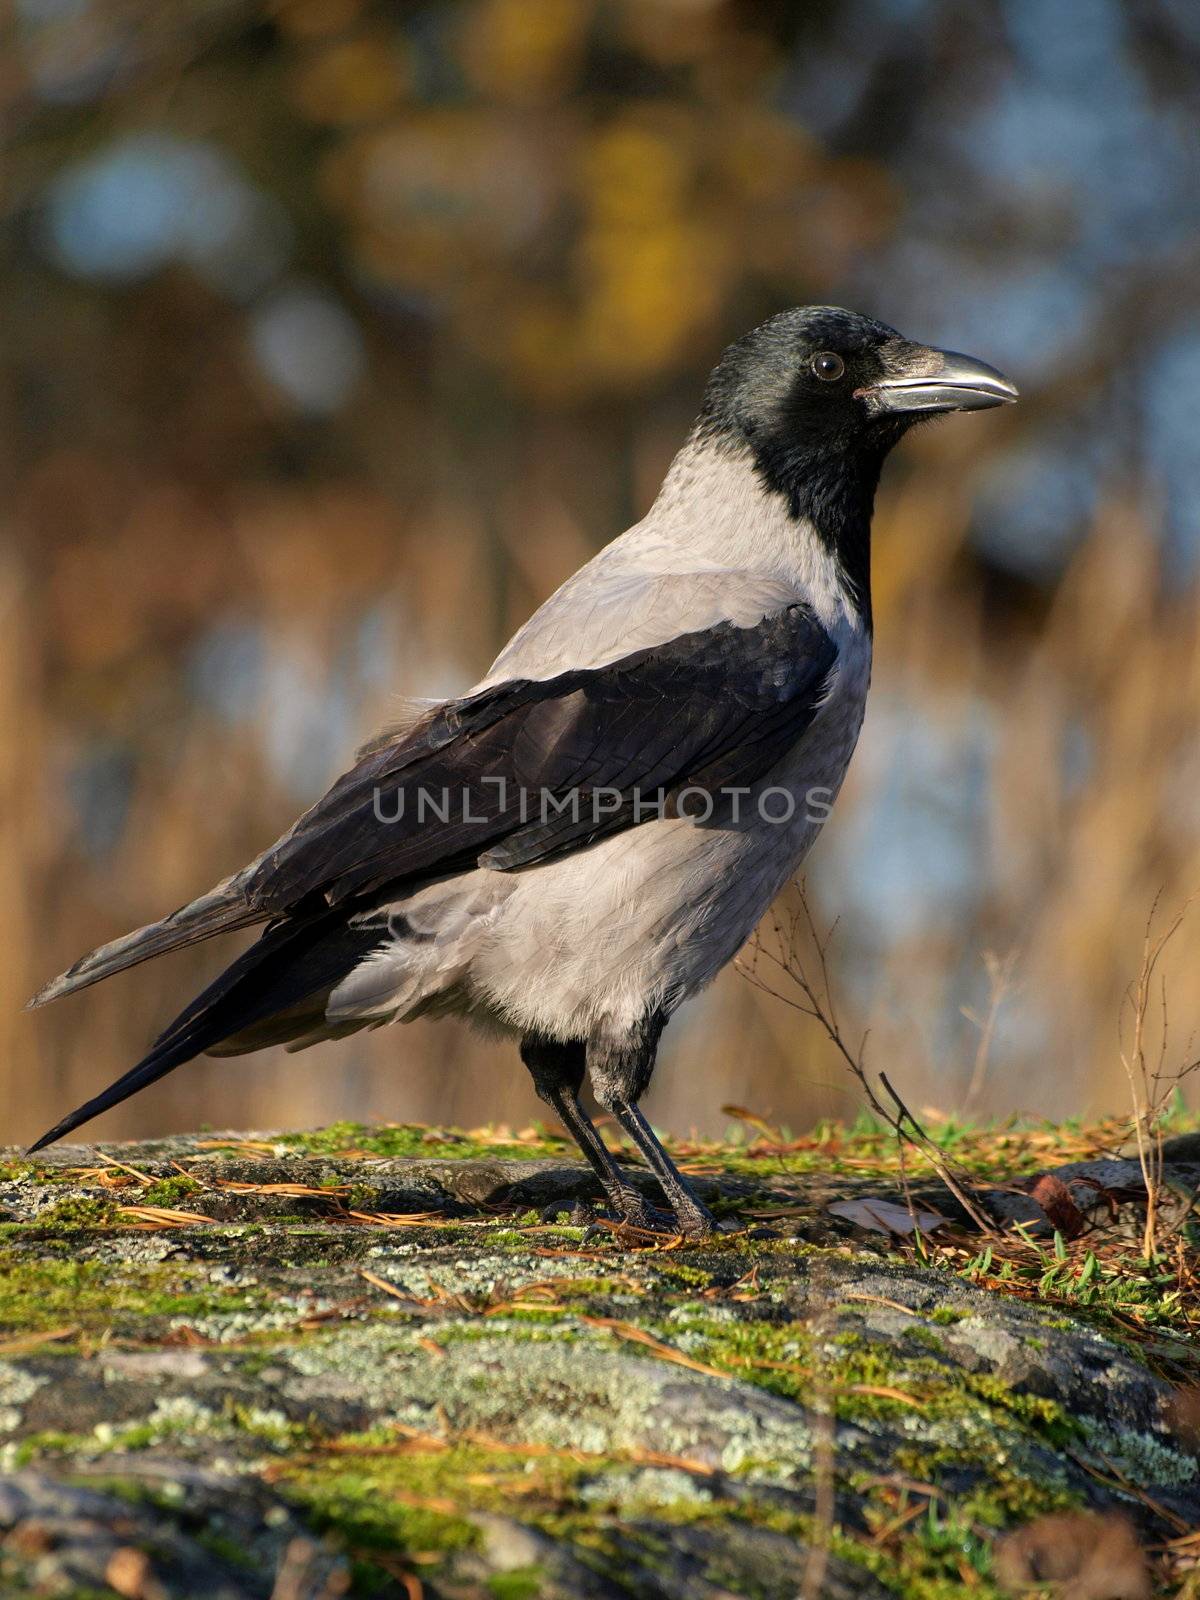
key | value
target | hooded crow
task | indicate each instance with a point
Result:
(573, 848)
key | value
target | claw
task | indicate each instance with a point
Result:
(636, 1215)
(646, 1218)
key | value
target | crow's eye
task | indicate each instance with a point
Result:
(827, 366)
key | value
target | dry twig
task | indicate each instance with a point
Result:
(1000, 976)
(1145, 1065)
(814, 997)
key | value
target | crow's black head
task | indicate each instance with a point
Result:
(820, 395)
(827, 377)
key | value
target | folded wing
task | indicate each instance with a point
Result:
(531, 768)
(466, 786)
(510, 776)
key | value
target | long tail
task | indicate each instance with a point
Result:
(289, 962)
(222, 910)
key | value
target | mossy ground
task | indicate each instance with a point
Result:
(393, 1378)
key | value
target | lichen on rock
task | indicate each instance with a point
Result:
(362, 1356)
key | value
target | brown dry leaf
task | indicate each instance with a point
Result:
(744, 1114)
(498, 1133)
(30, 1341)
(303, 1191)
(1055, 1199)
(161, 1217)
(130, 1574)
(635, 1335)
(185, 1335)
(444, 1506)
(1093, 1557)
(30, 1538)
(241, 1147)
(112, 1165)
(412, 1441)
(880, 1300)
(507, 1306)
(660, 1458)
(885, 1392)
(395, 1219)
(885, 1216)
(382, 1283)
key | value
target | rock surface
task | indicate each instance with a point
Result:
(300, 1366)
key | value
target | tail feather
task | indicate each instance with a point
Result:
(222, 910)
(156, 1065)
(290, 961)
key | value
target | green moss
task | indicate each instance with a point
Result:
(77, 1212)
(522, 1583)
(413, 1139)
(49, 1291)
(928, 1565)
(171, 1420)
(872, 1379)
(984, 1444)
(1045, 1417)
(170, 1192)
(917, 1334)
(35, 1446)
(508, 1239)
(946, 1316)
(424, 1500)
(682, 1273)
(393, 1505)
(133, 1491)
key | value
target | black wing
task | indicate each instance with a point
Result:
(511, 776)
(706, 710)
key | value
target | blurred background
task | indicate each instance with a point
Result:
(336, 333)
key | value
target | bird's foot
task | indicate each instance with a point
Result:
(631, 1211)
(627, 1211)
(689, 1218)
(702, 1224)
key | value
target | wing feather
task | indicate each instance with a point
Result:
(717, 705)
(726, 699)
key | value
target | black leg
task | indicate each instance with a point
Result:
(620, 1070)
(557, 1072)
(693, 1216)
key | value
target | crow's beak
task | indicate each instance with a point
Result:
(923, 379)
